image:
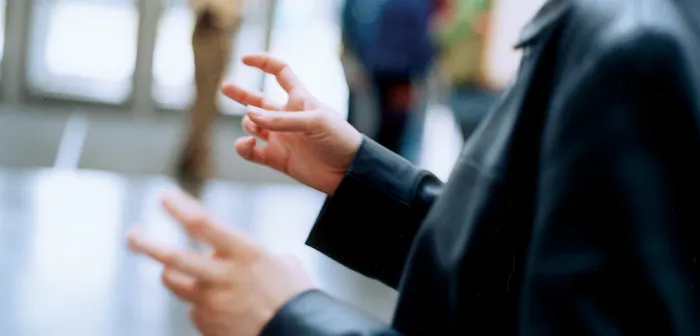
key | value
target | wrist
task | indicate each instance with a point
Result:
(285, 319)
(334, 184)
(354, 144)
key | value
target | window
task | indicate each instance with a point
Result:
(83, 49)
(307, 36)
(3, 6)
(173, 66)
(509, 16)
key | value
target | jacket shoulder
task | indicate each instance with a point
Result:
(624, 32)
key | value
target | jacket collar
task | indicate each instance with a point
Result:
(549, 14)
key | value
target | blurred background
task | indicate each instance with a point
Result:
(93, 102)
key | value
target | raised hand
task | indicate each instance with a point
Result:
(305, 138)
(234, 291)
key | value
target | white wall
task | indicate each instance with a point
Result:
(509, 18)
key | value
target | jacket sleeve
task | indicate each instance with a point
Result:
(313, 313)
(616, 248)
(370, 221)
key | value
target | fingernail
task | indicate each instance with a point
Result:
(255, 111)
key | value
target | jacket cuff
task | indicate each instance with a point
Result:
(314, 313)
(369, 223)
(385, 171)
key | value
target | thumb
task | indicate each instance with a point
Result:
(286, 121)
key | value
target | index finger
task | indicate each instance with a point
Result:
(197, 221)
(249, 97)
(191, 263)
(284, 74)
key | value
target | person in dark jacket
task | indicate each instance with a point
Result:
(388, 45)
(572, 210)
(353, 38)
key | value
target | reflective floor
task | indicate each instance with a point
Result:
(64, 268)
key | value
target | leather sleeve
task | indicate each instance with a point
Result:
(617, 224)
(313, 313)
(370, 222)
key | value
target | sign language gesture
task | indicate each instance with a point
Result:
(305, 138)
(237, 289)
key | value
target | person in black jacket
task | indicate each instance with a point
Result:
(572, 210)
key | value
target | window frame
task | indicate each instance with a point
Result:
(140, 103)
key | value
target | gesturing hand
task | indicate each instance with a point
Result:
(305, 138)
(234, 291)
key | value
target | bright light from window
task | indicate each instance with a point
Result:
(173, 59)
(3, 5)
(92, 40)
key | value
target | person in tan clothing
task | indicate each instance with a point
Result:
(217, 24)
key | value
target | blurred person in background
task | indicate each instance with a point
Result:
(463, 32)
(217, 23)
(572, 211)
(388, 47)
(354, 35)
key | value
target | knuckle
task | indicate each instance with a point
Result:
(255, 254)
(249, 127)
(228, 274)
(165, 275)
(166, 278)
(197, 219)
(273, 120)
(172, 258)
(213, 302)
(317, 119)
(168, 274)
(206, 300)
(247, 260)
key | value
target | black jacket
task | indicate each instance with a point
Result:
(574, 208)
